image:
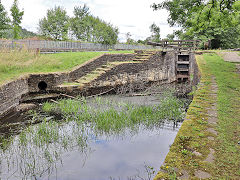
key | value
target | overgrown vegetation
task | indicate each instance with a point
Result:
(14, 63)
(114, 117)
(194, 135)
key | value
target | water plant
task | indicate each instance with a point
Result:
(38, 148)
(106, 117)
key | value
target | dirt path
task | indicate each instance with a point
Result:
(230, 56)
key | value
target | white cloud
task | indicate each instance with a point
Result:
(134, 16)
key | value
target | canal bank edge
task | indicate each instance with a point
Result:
(201, 147)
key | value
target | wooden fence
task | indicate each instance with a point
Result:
(177, 44)
(45, 46)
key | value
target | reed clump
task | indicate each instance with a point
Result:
(113, 117)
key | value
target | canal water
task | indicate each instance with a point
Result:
(74, 152)
(126, 157)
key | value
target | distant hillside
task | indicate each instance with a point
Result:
(24, 34)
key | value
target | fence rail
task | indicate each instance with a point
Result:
(177, 44)
(68, 46)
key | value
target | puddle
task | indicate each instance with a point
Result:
(72, 149)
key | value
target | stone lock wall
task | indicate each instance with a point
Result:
(160, 67)
(11, 93)
(194, 70)
(89, 66)
(51, 80)
(54, 79)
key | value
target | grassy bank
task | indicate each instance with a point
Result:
(16, 63)
(189, 156)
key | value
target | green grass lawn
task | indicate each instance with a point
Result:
(17, 63)
(227, 163)
(193, 135)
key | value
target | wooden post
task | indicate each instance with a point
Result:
(37, 51)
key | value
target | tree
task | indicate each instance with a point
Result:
(216, 20)
(170, 37)
(79, 23)
(155, 33)
(182, 10)
(4, 21)
(17, 19)
(88, 28)
(55, 24)
(129, 39)
(104, 32)
(141, 41)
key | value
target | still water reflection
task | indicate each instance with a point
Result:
(118, 157)
(72, 150)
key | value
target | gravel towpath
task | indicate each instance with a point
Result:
(230, 56)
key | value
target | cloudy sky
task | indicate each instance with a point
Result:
(134, 16)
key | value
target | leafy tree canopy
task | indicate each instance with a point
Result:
(88, 28)
(83, 26)
(55, 24)
(155, 33)
(218, 20)
(17, 15)
(170, 37)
